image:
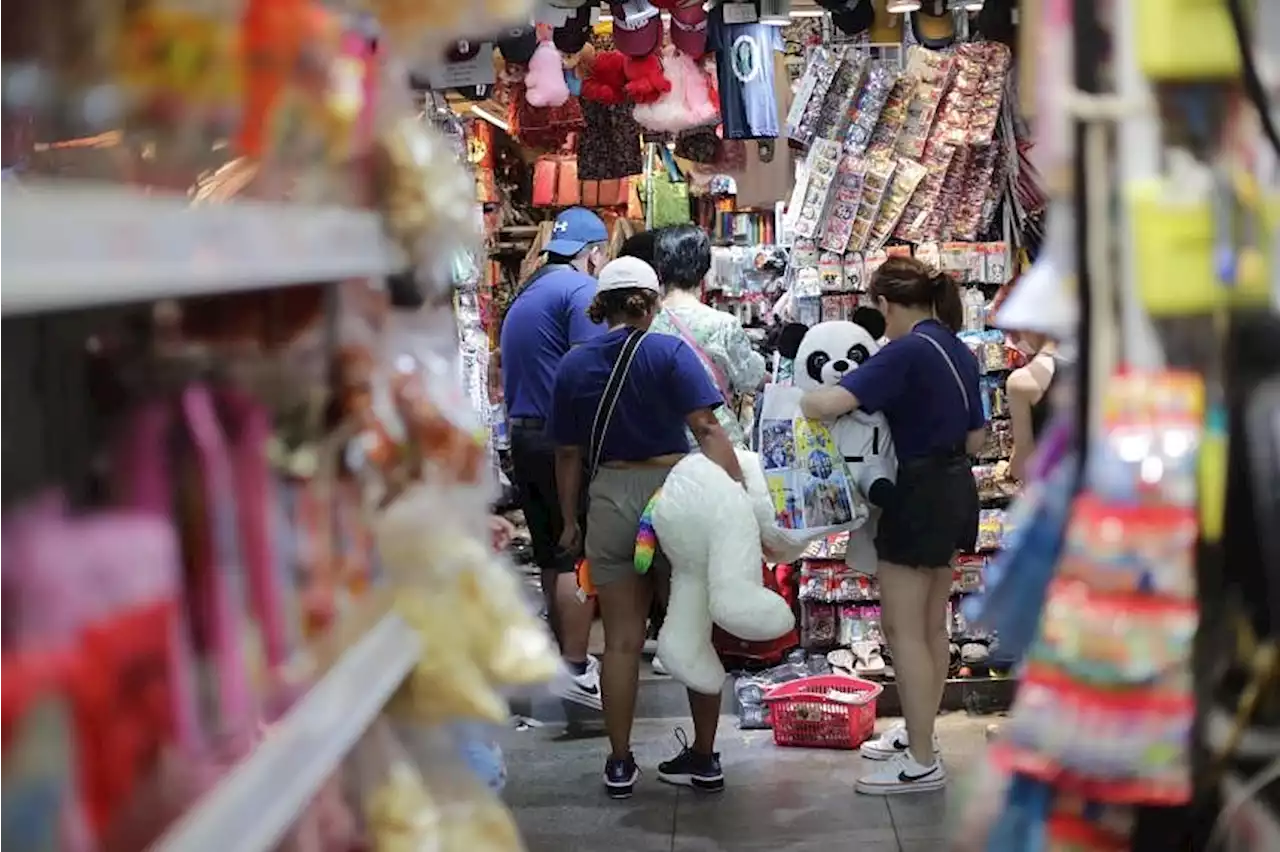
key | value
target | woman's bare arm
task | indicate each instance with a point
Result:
(714, 443)
(827, 403)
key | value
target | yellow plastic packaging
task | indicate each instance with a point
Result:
(1173, 241)
(1179, 40)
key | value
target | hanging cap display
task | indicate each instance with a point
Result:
(573, 34)
(637, 29)
(850, 16)
(934, 25)
(689, 29)
(518, 44)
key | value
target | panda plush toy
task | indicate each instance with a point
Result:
(823, 355)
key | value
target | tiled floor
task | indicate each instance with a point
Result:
(777, 800)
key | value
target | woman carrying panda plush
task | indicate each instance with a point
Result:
(925, 382)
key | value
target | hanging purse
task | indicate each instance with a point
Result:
(546, 173)
(568, 193)
(668, 193)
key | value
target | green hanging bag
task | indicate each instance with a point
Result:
(668, 193)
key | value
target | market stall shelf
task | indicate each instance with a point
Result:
(79, 245)
(257, 802)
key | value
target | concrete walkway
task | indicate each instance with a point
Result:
(777, 800)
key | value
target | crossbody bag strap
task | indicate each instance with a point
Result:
(964, 394)
(609, 400)
(721, 380)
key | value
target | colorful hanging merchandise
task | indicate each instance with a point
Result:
(1102, 723)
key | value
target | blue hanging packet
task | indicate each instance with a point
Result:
(1017, 580)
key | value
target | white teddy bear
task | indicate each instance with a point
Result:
(823, 355)
(715, 534)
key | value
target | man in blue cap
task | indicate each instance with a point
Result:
(546, 318)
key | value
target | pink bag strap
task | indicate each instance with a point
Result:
(721, 380)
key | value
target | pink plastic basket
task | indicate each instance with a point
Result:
(823, 711)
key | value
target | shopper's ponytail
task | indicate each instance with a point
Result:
(946, 301)
(907, 281)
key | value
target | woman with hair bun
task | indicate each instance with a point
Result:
(925, 382)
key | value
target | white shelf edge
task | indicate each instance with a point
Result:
(77, 245)
(256, 803)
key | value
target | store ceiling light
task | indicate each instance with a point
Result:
(902, 7)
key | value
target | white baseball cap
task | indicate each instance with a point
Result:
(628, 273)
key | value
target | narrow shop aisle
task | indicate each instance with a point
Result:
(776, 800)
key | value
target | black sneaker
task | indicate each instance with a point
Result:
(620, 776)
(690, 769)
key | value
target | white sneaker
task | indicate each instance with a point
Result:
(581, 689)
(901, 775)
(890, 743)
(658, 667)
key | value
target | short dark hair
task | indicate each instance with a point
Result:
(682, 256)
(622, 305)
(640, 245)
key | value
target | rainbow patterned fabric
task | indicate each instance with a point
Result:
(646, 537)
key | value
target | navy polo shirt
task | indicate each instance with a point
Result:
(666, 383)
(911, 383)
(546, 319)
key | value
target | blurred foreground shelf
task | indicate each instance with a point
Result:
(83, 245)
(259, 799)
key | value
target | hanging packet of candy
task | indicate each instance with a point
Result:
(985, 111)
(871, 100)
(906, 178)
(875, 184)
(843, 207)
(840, 104)
(806, 106)
(933, 71)
(952, 123)
(821, 167)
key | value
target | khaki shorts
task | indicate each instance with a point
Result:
(617, 499)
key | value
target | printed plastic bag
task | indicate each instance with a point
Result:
(813, 495)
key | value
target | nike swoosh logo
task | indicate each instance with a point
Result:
(907, 779)
(589, 690)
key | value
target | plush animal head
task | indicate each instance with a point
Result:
(825, 353)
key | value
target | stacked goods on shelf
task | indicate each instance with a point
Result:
(245, 523)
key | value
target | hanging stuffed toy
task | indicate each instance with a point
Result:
(686, 105)
(715, 534)
(606, 78)
(576, 67)
(645, 81)
(823, 355)
(544, 84)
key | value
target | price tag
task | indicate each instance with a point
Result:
(476, 71)
(740, 13)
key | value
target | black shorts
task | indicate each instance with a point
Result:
(933, 514)
(533, 470)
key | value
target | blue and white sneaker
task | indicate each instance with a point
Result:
(620, 776)
(691, 769)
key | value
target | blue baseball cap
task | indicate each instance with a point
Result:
(574, 230)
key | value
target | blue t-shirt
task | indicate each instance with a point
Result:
(912, 384)
(665, 384)
(546, 319)
(744, 65)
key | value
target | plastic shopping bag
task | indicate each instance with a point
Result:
(813, 495)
